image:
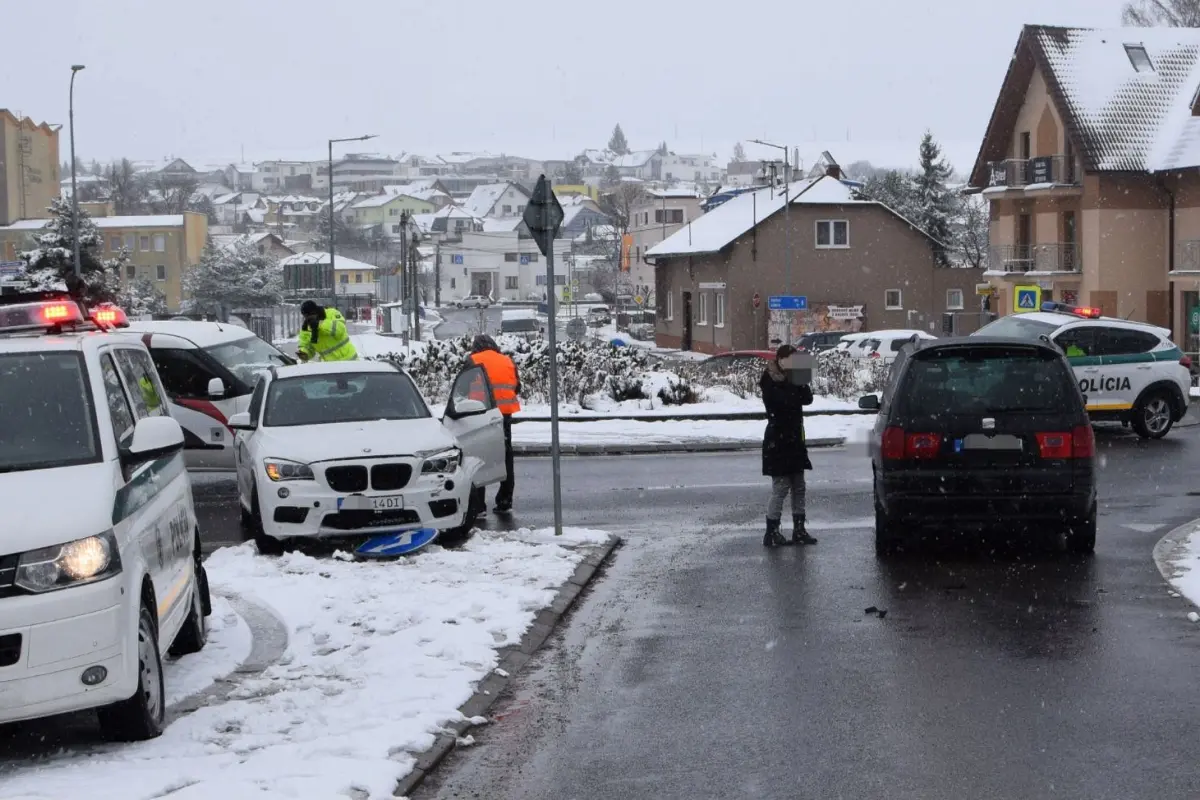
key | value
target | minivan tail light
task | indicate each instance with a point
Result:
(922, 445)
(1056, 445)
(1083, 442)
(893, 444)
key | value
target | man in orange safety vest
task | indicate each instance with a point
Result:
(506, 385)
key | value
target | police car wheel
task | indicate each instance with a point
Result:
(141, 716)
(1152, 416)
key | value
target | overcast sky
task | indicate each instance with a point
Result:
(277, 78)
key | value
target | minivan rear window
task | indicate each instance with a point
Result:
(991, 380)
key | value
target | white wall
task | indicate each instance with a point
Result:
(485, 253)
(676, 166)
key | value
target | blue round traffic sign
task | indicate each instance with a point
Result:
(393, 545)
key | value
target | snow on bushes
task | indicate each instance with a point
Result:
(588, 369)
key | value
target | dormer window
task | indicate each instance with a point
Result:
(1139, 58)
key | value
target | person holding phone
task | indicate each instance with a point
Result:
(786, 390)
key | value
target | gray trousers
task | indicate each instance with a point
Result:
(780, 486)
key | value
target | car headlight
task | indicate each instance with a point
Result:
(442, 461)
(72, 564)
(280, 469)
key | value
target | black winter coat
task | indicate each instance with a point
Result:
(784, 451)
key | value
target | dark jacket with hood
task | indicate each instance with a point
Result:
(784, 451)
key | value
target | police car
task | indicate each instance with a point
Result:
(1128, 371)
(100, 567)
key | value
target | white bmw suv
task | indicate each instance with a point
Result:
(350, 448)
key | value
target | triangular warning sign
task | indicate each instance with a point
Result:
(1026, 300)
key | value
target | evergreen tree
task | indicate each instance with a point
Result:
(617, 142)
(51, 264)
(896, 190)
(345, 236)
(938, 206)
(662, 148)
(739, 153)
(237, 277)
(140, 297)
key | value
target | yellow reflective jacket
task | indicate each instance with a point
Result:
(332, 342)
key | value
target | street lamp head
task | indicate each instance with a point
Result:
(77, 67)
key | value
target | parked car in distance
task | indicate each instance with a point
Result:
(850, 343)
(599, 315)
(522, 322)
(474, 301)
(973, 431)
(819, 341)
(886, 344)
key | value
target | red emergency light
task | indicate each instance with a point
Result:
(107, 315)
(59, 313)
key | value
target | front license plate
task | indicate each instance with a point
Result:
(358, 502)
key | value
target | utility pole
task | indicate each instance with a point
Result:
(74, 192)
(437, 275)
(402, 272)
(415, 281)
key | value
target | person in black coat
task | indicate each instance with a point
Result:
(784, 452)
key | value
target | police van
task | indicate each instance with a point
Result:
(1128, 371)
(100, 565)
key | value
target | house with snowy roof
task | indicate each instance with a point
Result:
(1091, 167)
(645, 165)
(387, 210)
(858, 264)
(505, 199)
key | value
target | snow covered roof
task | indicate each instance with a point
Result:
(322, 257)
(638, 158)
(380, 200)
(484, 197)
(716, 230)
(688, 193)
(453, 212)
(501, 224)
(155, 221)
(1124, 117)
(230, 241)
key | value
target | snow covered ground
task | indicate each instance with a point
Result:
(380, 656)
(229, 641)
(1187, 581)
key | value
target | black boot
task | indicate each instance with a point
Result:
(773, 537)
(799, 535)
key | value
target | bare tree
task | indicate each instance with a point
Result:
(175, 194)
(1162, 13)
(618, 203)
(971, 231)
(126, 189)
(739, 153)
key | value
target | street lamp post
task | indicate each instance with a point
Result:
(787, 224)
(74, 192)
(332, 227)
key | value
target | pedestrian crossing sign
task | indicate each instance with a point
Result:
(1029, 298)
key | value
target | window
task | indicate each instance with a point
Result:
(954, 299)
(343, 278)
(183, 374)
(637, 253)
(671, 216)
(129, 239)
(520, 209)
(833, 233)
(345, 397)
(1123, 342)
(114, 243)
(560, 280)
(720, 309)
(393, 212)
(1026, 146)
(540, 280)
(507, 209)
(892, 300)
(1017, 326)
(1139, 58)
(142, 380)
(512, 257)
(358, 277)
(533, 257)
(991, 379)
(118, 403)
(130, 271)
(47, 418)
(510, 281)
(670, 305)
(702, 308)
(160, 243)
(144, 244)
(452, 282)
(160, 272)
(1077, 342)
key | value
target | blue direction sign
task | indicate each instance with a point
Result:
(787, 302)
(393, 545)
(11, 267)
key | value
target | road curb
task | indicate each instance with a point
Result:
(1170, 549)
(512, 660)
(718, 446)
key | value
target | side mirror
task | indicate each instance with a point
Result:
(153, 438)
(216, 388)
(466, 408)
(869, 402)
(241, 421)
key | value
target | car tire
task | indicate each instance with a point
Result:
(1081, 535)
(886, 541)
(1152, 415)
(141, 716)
(458, 535)
(252, 528)
(194, 634)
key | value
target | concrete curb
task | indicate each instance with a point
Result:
(512, 660)
(716, 446)
(1169, 549)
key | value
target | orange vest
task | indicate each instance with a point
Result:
(502, 374)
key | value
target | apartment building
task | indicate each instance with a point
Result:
(29, 177)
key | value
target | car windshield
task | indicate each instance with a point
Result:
(518, 325)
(342, 397)
(1017, 326)
(978, 380)
(46, 413)
(245, 358)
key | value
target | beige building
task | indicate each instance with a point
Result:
(161, 248)
(655, 215)
(857, 264)
(28, 168)
(1091, 164)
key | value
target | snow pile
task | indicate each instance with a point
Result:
(380, 657)
(1187, 564)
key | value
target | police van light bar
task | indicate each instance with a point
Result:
(1079, 311)
(106, 315)
(39, 314)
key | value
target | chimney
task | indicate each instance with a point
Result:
(834, 171)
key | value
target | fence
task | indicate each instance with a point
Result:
(275, 322)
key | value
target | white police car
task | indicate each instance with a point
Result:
(100, 554)
(1127, 371)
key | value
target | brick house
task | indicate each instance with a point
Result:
(1091, 165)
(860, 266)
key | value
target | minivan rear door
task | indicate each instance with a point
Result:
(989, 416)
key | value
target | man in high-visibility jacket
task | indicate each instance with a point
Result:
(506, 385)
(324, 334)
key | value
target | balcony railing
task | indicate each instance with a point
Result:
(1017, 173)
(1055, 257)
